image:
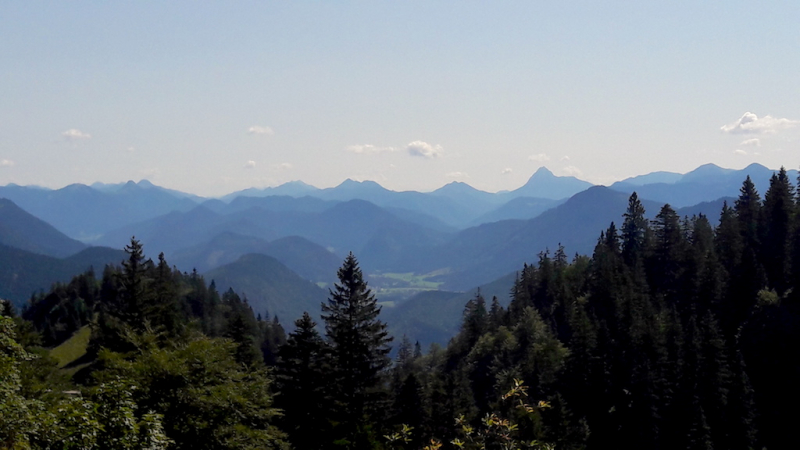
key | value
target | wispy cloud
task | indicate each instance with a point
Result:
(741, 152)
(75, 135)
(749, 123)
(6, 163)
(284, 166)
(256, 129)
(507, 171)
(368, 149)
(423, 149)
(457, 175)
(755, 142)
(250, 164)
(541, 157)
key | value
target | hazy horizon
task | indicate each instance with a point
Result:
(119, 183)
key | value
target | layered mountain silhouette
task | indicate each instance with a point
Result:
(85, 213)
(22, 230)
(276, 245)
(309, 260)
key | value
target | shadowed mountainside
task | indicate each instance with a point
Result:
(22, 230)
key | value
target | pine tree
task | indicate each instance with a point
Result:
(302, 376)
(360, 347)
(126, 296)
(779, 210)
(475, 319)
(669, 250)
(634, 231)
(135, 292)
(748, 213)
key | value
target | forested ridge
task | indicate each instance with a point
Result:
(673, 334)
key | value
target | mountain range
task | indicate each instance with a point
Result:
(421, 251)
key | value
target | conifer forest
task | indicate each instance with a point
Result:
(675, 333)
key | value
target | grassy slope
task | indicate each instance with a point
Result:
(73, 348)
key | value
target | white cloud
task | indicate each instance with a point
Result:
(507, 171)
(572, 171)
(755, 142)
(6, 163)
(368, 149)
(420, 148)
(749, 123)
(564, 158)
(131, 149)
(541, 157)
(250, 164)
(457, 175)
(255, 129)
(284, 166)
(75, 135)
(739, 151)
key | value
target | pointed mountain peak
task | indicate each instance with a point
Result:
(545, 184)
(145, 184)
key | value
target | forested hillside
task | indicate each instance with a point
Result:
(675, 333)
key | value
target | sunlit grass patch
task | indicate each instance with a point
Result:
(73, 348)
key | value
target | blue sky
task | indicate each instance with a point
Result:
(214, 97)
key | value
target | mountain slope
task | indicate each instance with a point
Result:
(435, 316)
(84, 213)
(309, 260)
(24, 231)
(269, 286)
(488, 251)
(518, 208)
(23, 273)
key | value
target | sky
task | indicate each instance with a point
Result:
(214, 97)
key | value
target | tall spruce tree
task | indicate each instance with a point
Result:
(303, 364)
(634, 231)
(360, 347)
(779, 210)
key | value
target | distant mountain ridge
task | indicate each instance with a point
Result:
(456, 237)
(87, 212)
(706, 183)
(84, 213)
